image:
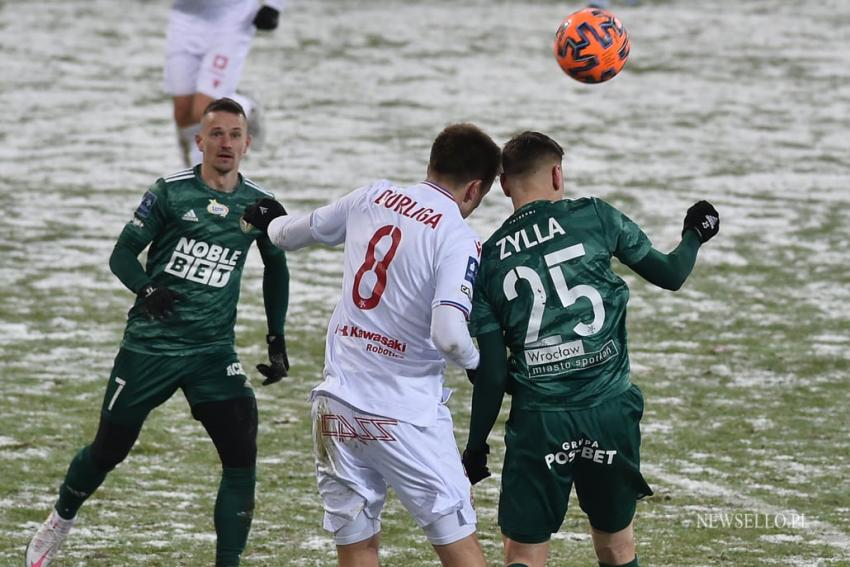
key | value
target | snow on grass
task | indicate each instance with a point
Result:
(742, 369)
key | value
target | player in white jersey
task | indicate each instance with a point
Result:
(206, 47)
(380, 417)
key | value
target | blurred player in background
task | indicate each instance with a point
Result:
(547, 292)
(180, 332)
(206, 47)
(380, 417)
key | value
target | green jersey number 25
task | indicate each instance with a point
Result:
(567, 295)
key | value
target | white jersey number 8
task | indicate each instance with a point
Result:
(378, 266)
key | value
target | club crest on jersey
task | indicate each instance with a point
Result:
(471, 270)
(217, 209)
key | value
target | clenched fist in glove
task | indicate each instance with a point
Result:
(158, 302)
(704, 219)
(261, 213)
(266, 18)
(475, 464)
(278, 359)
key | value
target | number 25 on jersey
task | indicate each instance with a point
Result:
(567, 295)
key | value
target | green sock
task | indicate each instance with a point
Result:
(234, 510)
(81, 480)
(632, 563)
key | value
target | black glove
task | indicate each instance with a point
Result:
(471, 375)
(277, 357)
(261, 213)
(158, 302)
(703, 218)
(266, 18)
(475, 464)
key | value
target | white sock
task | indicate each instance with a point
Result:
(188, 148)
(61, 522)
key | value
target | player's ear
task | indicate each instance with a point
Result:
(557, 177)
(504, 185)
(472, 190)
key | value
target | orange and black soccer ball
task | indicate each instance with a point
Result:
(591, 45)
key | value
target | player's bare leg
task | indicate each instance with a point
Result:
(360, 554)
(529, 554)
(183, 110)
(616, 548)
(462, 553)
(188, 109)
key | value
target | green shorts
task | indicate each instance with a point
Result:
(597, 449)
(141, 382)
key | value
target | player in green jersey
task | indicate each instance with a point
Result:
(180, 331)
(547, 294)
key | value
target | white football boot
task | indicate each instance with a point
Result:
(257, 126)
(254, 113)
(47, 540)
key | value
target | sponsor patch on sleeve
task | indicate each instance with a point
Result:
(466, 290)
(146, 205)
(471, 270)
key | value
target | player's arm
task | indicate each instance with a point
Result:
(157, 301)
(487, 395)
(489, 389)
(670, 271)
(451, 336)
(292, 232)
(276, 301)
(490, 382)
(456, 266)
(124, 263)
(137, 234)
(325, 225)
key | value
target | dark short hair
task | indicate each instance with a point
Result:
(225, 105)
(524, 152)
(463, 152)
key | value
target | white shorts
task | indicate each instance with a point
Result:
(358, 455)
(207, 56)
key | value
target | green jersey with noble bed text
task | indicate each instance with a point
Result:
(546, 281)
(197, 249)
